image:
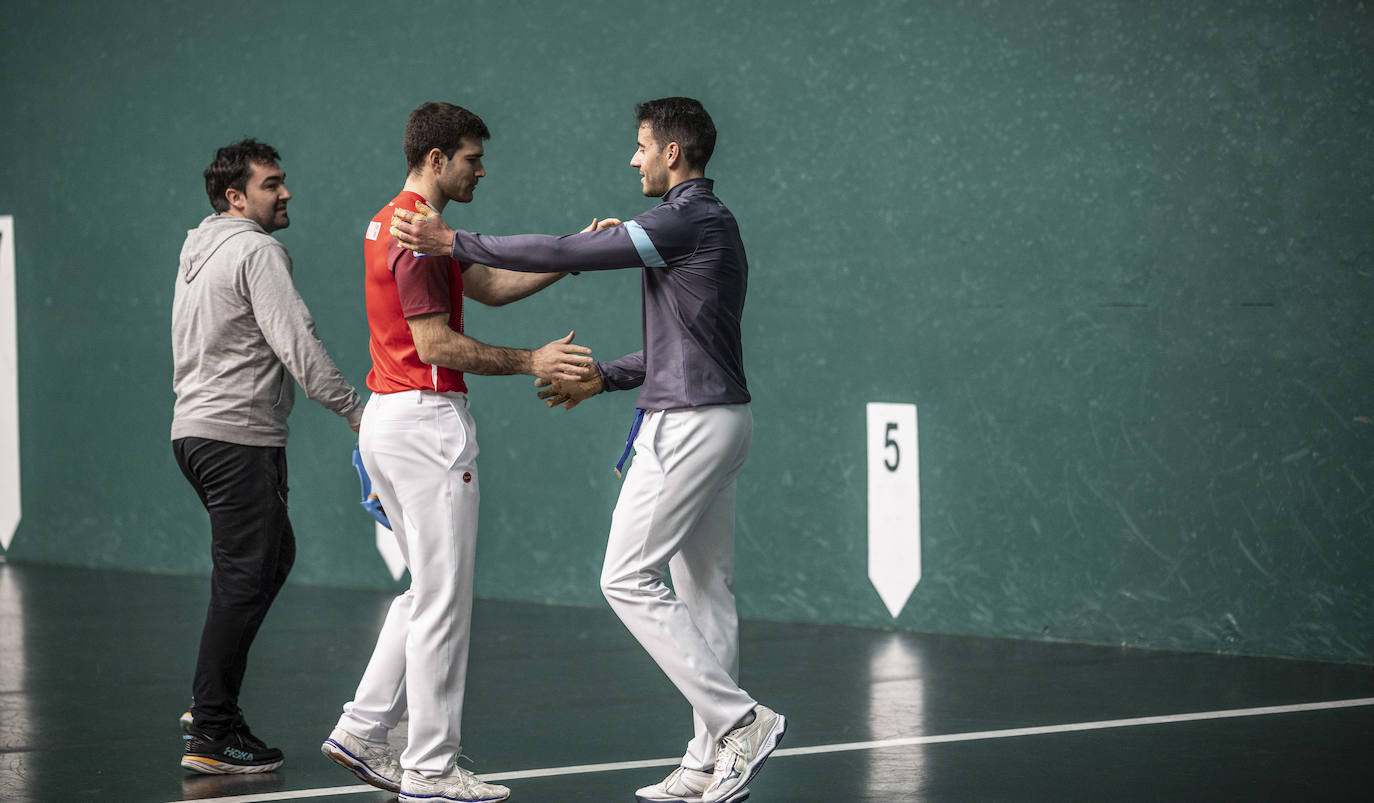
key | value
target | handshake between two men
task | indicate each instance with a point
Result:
(425, 232)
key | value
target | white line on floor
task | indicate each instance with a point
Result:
(880, 744)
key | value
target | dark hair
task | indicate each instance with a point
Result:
(231, 168)
(442, 126)
(680, 120)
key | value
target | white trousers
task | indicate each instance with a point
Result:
(420, 450)
(676, 513)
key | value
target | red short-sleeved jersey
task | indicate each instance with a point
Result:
(400, 285)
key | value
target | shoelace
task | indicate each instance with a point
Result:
(677, 779)
(729, 748)
(467, 781)
(379, 754)
(245, 738)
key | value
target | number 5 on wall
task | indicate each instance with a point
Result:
(894, 503)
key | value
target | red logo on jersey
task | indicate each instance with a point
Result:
(467, 476)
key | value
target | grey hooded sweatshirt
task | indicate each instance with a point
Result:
(238, 329)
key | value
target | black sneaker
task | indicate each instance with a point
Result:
(251, 742)
(232, 754)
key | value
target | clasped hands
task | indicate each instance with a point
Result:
(565, 373)
(569, 392)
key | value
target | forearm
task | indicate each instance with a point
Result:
(437, 344)
(625, 373)
(500, 287)
(463, 353)
(325, 385)
(608, 249)
(522, 285)
(289, 330)
(318, 376)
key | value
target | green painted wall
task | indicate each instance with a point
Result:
(1118, 253)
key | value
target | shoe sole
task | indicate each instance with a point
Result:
(336, 753)
(411, 797)
(771, 743)
(740, 796)
(210, 766)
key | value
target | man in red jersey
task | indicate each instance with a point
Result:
(419, 446)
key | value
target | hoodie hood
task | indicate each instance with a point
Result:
(203, 241)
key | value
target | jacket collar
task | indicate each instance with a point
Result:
(690, 184)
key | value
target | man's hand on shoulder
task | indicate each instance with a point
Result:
(422, 231)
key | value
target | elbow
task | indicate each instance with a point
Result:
(425, 351)
(432, 336)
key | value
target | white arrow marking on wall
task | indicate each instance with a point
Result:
(894, 503)
(9, 388)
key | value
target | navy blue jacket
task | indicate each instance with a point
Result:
(695, 278)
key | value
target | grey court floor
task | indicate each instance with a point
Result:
(563, 706)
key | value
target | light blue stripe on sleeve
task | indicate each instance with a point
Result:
(644, 246)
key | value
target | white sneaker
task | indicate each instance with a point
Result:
(373, 762)
(740, 755)
(681, 786)
(458, 785)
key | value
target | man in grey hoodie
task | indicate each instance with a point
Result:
(240, 334)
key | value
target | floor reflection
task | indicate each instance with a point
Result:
(16, 719)
(896, 709)
(200, 787)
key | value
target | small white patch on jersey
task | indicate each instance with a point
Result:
(373, 229)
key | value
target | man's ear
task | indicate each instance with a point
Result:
(235, 197)
(673, 154)
(435, 159)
